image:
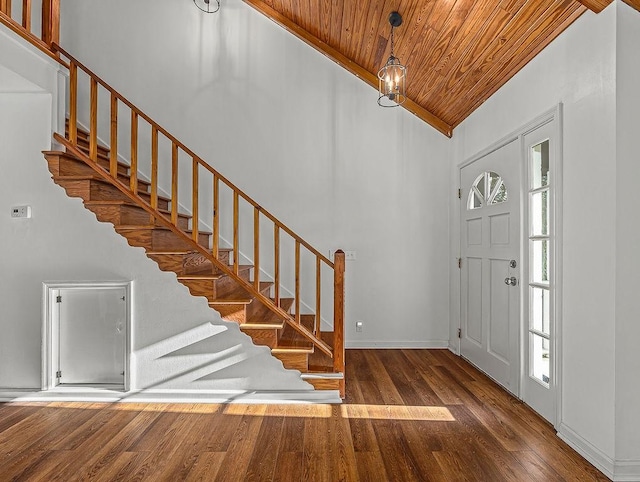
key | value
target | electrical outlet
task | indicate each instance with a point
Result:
(359, 326)
(21, 212)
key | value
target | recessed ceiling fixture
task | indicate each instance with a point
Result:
(208, 6)
(393, 76)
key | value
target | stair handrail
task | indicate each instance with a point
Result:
(338, 266)
(50, 25)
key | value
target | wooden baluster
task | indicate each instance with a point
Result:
(26, 14)
(174, 183)
(133, 171)
(297, 289)
(195, 231)
(338, 316)
(113, 148)
(216, 216)
(318, 318)
(73, 103)
(154, 167)
(5, 7)
(50, 22)
(276, 263)
(236, 240)
(93, 121)
(256, 248)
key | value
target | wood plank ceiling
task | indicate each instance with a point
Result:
(457, 52)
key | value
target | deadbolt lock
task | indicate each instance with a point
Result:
(512, 263)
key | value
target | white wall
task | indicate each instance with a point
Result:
(178, 342)
(301, 136)
(577, 69)
(627, 238)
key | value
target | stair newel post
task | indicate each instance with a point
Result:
(93, 121)
(174, 183)
(297, 289)
(338, 315)
(113, 148)
(133, 172)
(256, 248)
(50, 21)
(236, 236)
(216, 216)
(276, 264)
(26, 14)
(73, 103)
(154, 167)
(195, 231)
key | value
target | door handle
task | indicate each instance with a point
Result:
(512, 281)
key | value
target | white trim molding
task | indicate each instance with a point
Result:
(599, 459)
(398, 345)
(83, 394)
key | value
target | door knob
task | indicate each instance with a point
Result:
(510, 281)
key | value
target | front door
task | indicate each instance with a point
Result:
(490, 264)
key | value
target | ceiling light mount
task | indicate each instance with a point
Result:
(392, 77)
(208, 6)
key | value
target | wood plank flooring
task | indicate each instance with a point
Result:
(409, 415)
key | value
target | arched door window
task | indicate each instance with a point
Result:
(487, 189)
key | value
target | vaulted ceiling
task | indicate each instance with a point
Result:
(457, 52)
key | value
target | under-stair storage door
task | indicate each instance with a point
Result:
(490, 264)
(92, 336)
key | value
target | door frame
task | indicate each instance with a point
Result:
(50, 325)
(553, 115)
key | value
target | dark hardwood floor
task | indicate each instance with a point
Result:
(409, 415)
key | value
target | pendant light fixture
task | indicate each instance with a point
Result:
(208, 6)
(393, 76)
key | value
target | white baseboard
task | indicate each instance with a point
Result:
(84, 394)
(616, 470)
(627, 471)
(363, 345)
(595, 456)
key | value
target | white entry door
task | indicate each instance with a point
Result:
(92, 326)
(490, 264)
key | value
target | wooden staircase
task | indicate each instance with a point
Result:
(195, 271)
(118, 193)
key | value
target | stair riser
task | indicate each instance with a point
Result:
(232, 312)
(93, 190)
(83, 144)
(178, 263)
(267, 337)
(119, 215)
(168, 240)
(67, 166)
(159, 240)
(294, 361)
(324, 383)
(206, 288)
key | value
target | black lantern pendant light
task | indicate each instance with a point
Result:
(208, 6)
(393, 76)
